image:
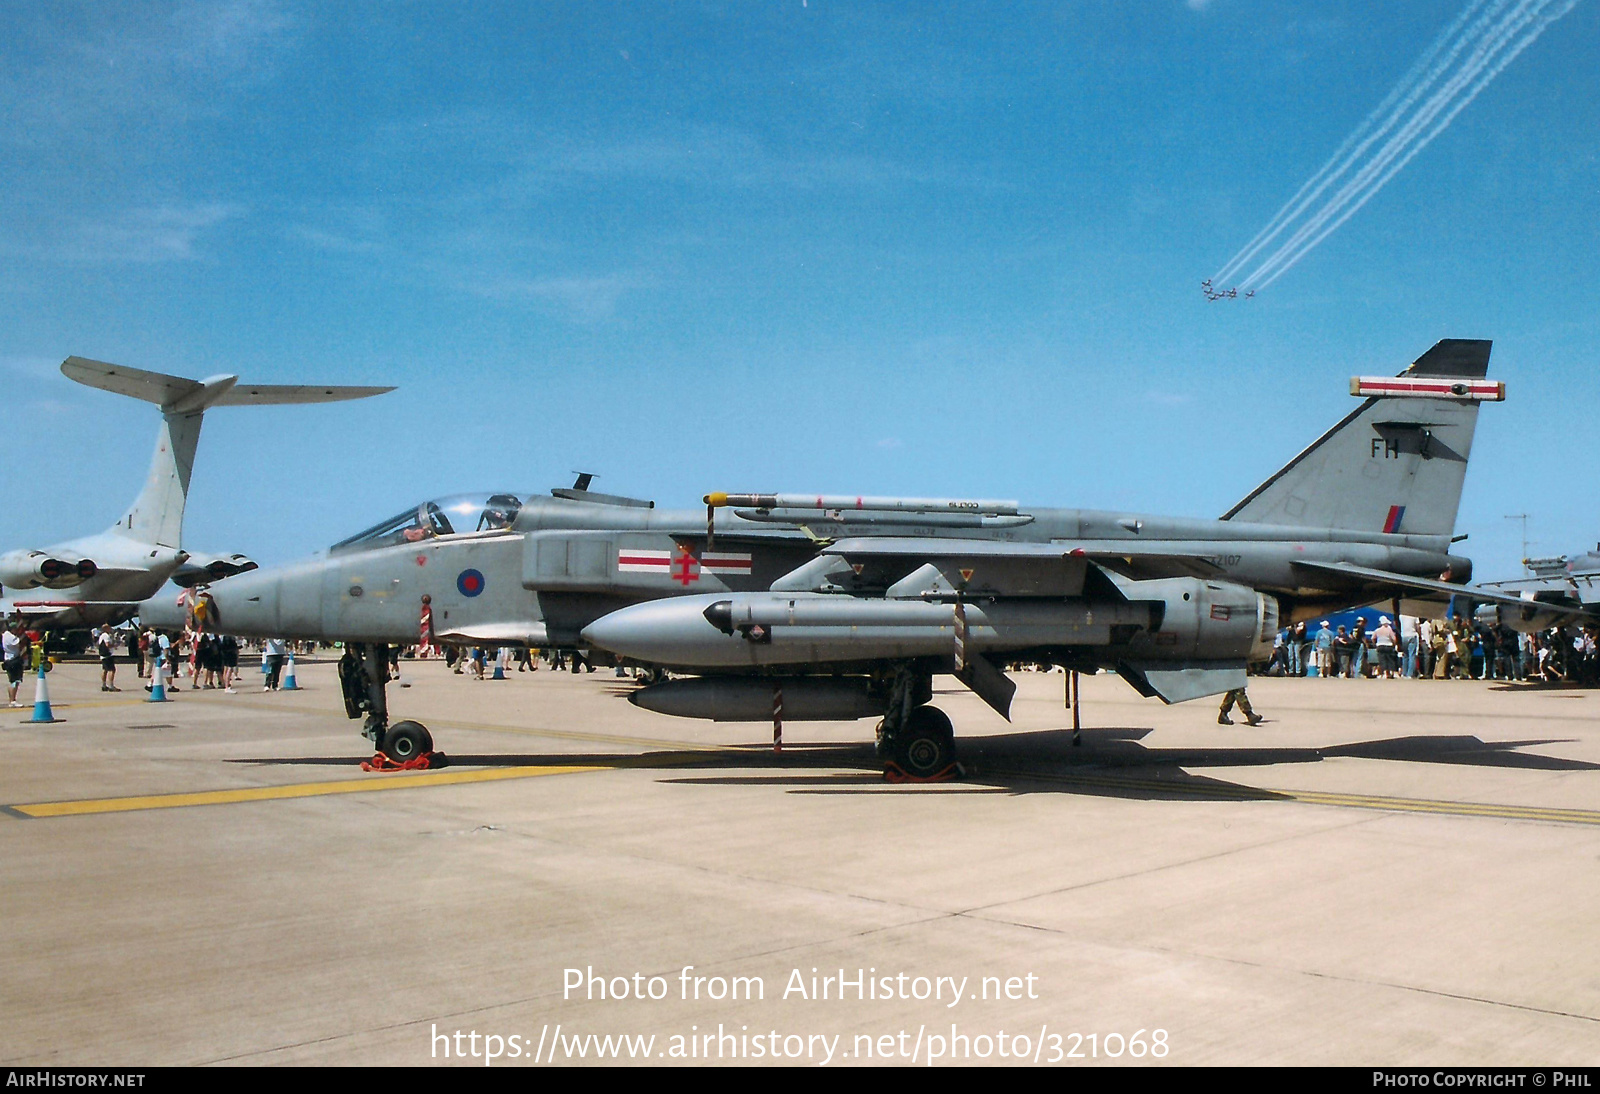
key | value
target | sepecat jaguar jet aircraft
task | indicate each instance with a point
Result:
(835, 607)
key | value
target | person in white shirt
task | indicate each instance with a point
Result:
(106, 644)
(13, 652)
(276, 650)
(1388, 647)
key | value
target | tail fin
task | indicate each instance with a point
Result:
(156, 515)
(1395, 464)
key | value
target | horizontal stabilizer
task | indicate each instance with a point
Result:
(1178, 682)
(280, 394)
(173, 392)
(1475, 593)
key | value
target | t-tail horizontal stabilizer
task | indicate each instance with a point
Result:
(182, 395)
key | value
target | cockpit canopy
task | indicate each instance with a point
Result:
(450, 516)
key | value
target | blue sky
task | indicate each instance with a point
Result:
(865, 248)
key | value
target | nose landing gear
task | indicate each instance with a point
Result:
(363, 678)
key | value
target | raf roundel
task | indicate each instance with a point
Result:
(470, 583)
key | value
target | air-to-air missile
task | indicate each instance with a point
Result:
(793, 607)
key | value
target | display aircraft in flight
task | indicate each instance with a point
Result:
(845, 607)
(105, 576)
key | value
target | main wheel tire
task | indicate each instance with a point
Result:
(926, 744)
(406, 741)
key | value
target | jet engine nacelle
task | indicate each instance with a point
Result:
(1211, 620)
(198, 569)
(33, 569)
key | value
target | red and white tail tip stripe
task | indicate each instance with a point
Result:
(1427, 387)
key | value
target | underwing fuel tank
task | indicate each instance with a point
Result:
(761, 699)
(1183, 618)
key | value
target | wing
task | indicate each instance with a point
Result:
(990, 568)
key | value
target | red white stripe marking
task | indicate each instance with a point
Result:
(716, 562)
(644, 562)
(1428, 387)
(661, 562)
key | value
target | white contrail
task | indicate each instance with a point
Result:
(1408, 127)
(1481, 57)
(1418, 75)
(1372, 174)
(1491, 33)
(1483, 82)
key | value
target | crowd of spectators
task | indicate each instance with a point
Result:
(1444, 649)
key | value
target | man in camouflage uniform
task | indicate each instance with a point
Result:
(1237, 695)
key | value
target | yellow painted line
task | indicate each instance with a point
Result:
(374, 782)
(1316, 797)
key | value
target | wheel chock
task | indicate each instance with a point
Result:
(424, 762)
(894, 773)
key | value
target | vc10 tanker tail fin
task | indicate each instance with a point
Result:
(156, 515)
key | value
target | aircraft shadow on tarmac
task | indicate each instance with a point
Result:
(1114, 762)
(1111, 762)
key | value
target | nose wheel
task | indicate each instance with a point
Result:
(403, 746)
(406, 746)
(405, 741)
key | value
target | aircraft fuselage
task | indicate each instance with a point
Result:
(565, 564)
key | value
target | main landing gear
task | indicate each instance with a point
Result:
(403, 746)
(915, 740)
